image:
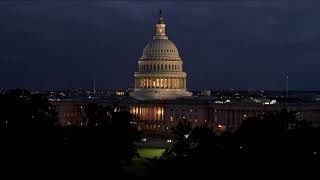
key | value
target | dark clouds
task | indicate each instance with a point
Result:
(224, 44)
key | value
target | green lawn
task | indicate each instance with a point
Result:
(138, 166)
(146, 152)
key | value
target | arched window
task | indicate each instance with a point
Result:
(161, 66)
(158, 67)
(169, 67)
(165, 67)
(172, 67)
(154, 67)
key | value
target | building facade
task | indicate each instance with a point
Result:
(157, 116)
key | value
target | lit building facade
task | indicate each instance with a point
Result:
(160, 74)
(157, 116)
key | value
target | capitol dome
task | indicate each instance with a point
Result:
(160, 48)
(160, 74)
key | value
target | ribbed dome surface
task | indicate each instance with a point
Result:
(163, 48)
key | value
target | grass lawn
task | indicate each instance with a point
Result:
(138, 166)
(146, 152)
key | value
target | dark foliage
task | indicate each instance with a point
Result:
(30, 133)
(26, 118)
(262, 145)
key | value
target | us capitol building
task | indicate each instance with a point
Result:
(160, 97)
(160, 74)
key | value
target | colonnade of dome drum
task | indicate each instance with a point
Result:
(161, 83)
(146, 66)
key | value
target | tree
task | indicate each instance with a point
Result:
(204, 141)
(26, 118)
(179, 134)
(112, 126)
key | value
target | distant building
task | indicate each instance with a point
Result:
(205, 93)
(120, 93)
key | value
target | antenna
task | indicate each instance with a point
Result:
(94, 86)
(287, 85)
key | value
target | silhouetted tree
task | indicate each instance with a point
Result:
(179, 135)
(112, 127)
(26, 118)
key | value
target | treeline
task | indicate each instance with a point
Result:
(29, 129)
(274, 143)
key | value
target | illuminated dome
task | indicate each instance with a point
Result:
(160, 49)
(160, 74)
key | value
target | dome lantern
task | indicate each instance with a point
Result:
(160, 27)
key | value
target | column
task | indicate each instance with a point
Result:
(178, 83)
(173, 83)
(162, 113)
(150, 82)
(165, 83)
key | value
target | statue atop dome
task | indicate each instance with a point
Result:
(161, 21)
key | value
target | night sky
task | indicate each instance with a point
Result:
(224, 44)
